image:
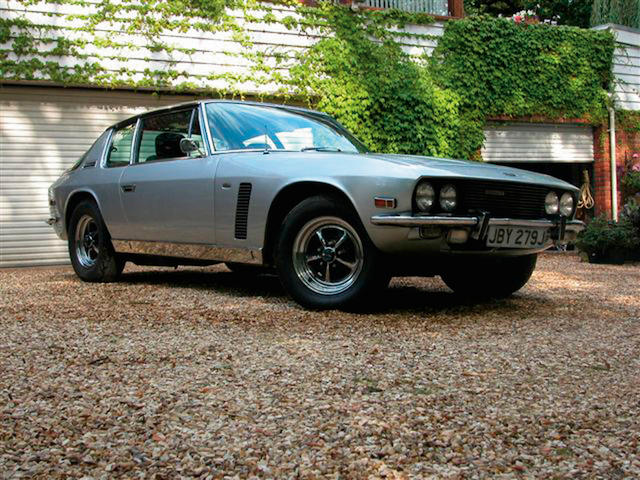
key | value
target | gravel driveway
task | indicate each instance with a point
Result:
(201, 372)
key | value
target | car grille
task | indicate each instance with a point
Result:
(503, 199)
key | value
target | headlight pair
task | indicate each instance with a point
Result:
(564, 204)
(426, 197)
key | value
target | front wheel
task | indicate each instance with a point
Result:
(90, 248)
(490, 278)
(324, 257)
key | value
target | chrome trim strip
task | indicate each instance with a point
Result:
(573, 225)
(204, 128)
(136, 141)
(107, 145)
(190, 250)
(419, 221)
(508, 222)
(207, 132)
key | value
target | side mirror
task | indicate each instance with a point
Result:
(189, 145)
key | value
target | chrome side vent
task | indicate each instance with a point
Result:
(242, 210)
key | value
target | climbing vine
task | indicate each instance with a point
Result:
(358, 66)
(501, 68)
(438, 105)
(628, 120)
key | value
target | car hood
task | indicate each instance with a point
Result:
(442, 167)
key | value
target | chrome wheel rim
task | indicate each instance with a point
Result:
(87, 241)
(327, 255)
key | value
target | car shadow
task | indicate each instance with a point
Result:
(224, 282)
(398, 298)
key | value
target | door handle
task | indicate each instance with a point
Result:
(130, 187)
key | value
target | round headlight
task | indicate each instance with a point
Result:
(566, 204)
(551, 203)
(425, 195)
(448, 198)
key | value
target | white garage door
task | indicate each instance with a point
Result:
(528, 142)
(43, 131)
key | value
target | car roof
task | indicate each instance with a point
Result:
(195, 103)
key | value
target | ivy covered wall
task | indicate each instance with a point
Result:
(401, 82)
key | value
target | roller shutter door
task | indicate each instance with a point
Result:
(43, 131)
(528, 142)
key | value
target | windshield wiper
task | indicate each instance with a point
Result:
(321, 149)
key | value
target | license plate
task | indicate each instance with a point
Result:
(517, 237)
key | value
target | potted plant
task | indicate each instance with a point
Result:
(605, 241)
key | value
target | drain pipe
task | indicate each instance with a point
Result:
(614, 173)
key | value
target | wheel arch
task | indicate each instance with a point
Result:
(73, 201)
(287, 198)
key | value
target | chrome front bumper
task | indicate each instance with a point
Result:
(478, 225)
(425, 221)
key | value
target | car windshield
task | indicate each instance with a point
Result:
(238, 126)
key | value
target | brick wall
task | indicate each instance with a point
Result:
(627, 144)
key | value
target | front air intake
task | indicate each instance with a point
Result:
(242, 211)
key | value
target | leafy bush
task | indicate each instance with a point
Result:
(631, 215)
(631, 181)
(605, 239)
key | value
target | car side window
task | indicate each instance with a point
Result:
(161, 136)
(119, 151)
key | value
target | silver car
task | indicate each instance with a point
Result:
(270, 187)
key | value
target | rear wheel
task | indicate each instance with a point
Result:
(324, 257)
(490, 278)
(90, 249)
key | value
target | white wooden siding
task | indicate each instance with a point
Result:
(215, 52)
(626, 66)
(528, 142)
(43, 131)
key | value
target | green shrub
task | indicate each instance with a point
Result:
(602, 238)
(631, 181)
(631, 215)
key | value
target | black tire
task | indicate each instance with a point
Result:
(93, 260)
(491, 277)
(356, 266)
(245, 269)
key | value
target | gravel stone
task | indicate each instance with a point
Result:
(199, 372)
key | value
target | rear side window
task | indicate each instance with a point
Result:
(161, 135)
(120, 149)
